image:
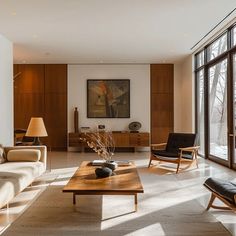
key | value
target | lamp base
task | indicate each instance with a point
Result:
(36, 141)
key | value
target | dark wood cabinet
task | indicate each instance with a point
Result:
(139, 139)
(121, 139)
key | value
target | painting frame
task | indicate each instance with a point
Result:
(108, 98)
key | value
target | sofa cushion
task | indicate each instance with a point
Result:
(173, 155)
(16, 176)
(23, 155)
(2, 155)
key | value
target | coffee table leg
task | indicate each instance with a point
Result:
(136, 201)
(74, 198)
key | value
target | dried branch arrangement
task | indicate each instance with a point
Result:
(102, 143)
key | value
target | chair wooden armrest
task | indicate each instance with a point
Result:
(157, 146)
(190, 149)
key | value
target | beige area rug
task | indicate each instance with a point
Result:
(169, 206)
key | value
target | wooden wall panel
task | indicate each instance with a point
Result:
(41, 90)
(30, 78)
(56, 120)
(27, 105)
(162, 110)
(56, 105)
(28, 94)
(55, 78)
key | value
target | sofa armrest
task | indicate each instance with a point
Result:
(43, 150)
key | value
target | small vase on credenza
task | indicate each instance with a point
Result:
(76, 120)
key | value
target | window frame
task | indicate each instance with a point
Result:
(231, 49)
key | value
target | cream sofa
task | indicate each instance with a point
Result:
(16, 176)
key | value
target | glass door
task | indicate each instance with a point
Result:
(234, 109)
(201, 112)
(217, 112)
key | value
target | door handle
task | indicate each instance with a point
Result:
(231, 135)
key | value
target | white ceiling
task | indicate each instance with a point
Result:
(108, 31)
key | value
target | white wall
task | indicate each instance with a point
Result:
(184, 96)
(6, 92)
(139, 76)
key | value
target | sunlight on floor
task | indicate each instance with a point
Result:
(164, 194)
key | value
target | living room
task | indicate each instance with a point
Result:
(129, 73)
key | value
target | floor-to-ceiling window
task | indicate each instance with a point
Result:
(200, 104)
(215, 74)
(217, 110)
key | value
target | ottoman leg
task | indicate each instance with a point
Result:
(211, 201)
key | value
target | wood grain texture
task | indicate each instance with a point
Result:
(28, 94)
(125, 139)
(30, 79)
(56, 105)
(84, 180)
(121, 139)
(27, 105)
(55, 75)
(139, 139)
(162, 109)
(41, 91)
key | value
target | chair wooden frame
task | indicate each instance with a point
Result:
(215, 195)
(176, 160)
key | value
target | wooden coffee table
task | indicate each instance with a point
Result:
(125, 182)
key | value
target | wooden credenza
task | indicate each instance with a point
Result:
(121, 139)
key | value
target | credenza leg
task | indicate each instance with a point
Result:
(74, 198)
(136, 201)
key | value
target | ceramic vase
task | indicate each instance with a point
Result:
(76, 120)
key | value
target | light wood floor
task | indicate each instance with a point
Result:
(191, 180)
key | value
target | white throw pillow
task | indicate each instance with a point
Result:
(24, 155)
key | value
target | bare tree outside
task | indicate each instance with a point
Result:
(218, 100)
(200, 77)
(217, 82)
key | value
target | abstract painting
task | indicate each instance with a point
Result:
(108, 98)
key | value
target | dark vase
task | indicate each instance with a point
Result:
(111, 165)
(103, 172)
(76, 120)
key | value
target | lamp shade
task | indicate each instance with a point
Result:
(36, 128)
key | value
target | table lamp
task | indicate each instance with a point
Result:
(36, 129)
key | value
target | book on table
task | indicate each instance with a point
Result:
(120, 163)
(98, 162)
